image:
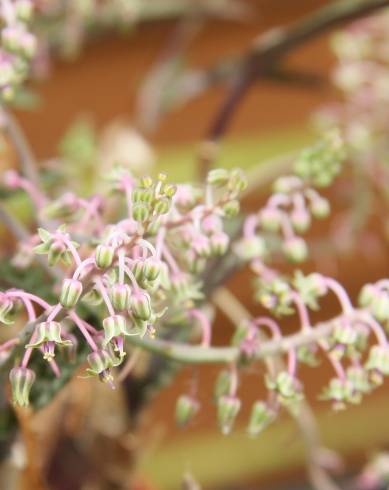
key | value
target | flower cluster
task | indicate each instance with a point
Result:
(128, 273)
(289, 211)
(18, 45)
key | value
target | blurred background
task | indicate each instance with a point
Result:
(100, 89)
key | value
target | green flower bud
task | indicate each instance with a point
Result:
(70, 293)
(295, 249)
(300, 220)
(345, 333)
(237, 181)
(120, 296)
(270, 219)
(162, 206)
(378, 359)
(151, 268)
(218, 177)
(141, 305)
(56, 250)
(142, 196)
(320, 208)
(251, 247)
(21, 380)
(339, 391)
(186, 409)
(359, 379)
(380, 307)
(23, 10)
(104, 256)
(227, 410)
(146, 182)
(140, 212)
(169, 190)
(223, 383)
(231, 208)
(261, 416)
(367, 295)
(285, 185)
(219, 243)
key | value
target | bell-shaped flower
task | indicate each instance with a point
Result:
(21, 379)
(48, 336)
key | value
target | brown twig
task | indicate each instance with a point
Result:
(263, 59)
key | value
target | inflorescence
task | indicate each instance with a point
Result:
(122, 283)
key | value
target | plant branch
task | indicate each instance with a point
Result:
(304, 418)
(269, 49)
(22, 147)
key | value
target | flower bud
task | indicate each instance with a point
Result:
(227, 409)
(140, 305)
(218, 177)
(201, 246)
(339, 391)
(162, 206)
(186, 409)
(231, 208)
(249, 248)
(237, 181)
(120, 296)
(223, 383)
(104, 256)
(285, 185)
(380, 306)
(140, 212)
(345, 333)
(151, 269)
(146, 182)
(219, 243)
(300, 220)
(57, 248)
(21, 380)
(24, 10)
(320, 208)
(270, 219)
(378, 359)
(367, 295)
(70, 293)
(359, 379)
(169, 190)
(142, 196)
(295, 249)
(261, 416)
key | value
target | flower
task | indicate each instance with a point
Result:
(48, 336)
(21, 379)
(70, 293)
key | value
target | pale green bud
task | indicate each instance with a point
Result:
(186, 409)
(231, 208)
(70, 293)
(21, 380)
(140, 212)
(295, 249)
(104, 255)
(120, 296)
(218, 177)
(261, 416)
(227, 410)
